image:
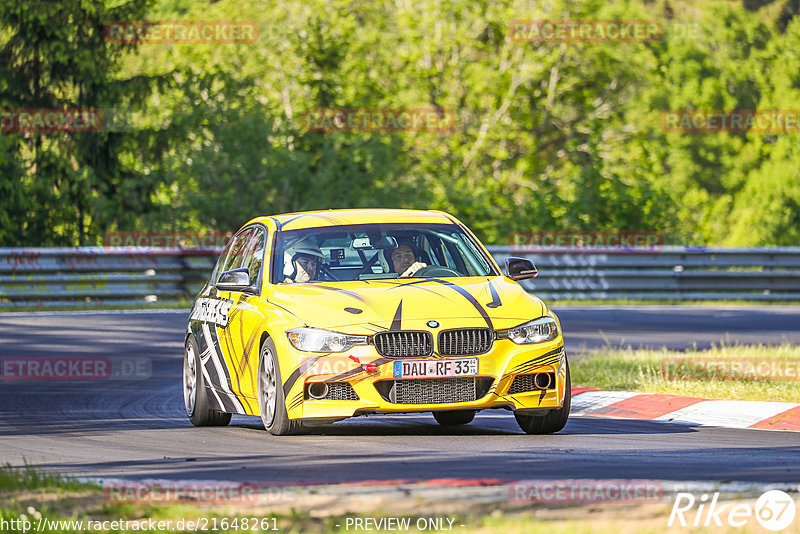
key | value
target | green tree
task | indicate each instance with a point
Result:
(67, 186)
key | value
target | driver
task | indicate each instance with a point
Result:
(301, 261)
(404, 260)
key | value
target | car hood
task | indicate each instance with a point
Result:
(394, 304)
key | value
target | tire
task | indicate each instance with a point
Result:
(195, 395)
(271, 399)
(553, 421)
(454, 417)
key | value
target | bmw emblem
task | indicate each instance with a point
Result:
(433, 324)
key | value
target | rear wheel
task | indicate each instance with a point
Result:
(195, 395)
(271, 399)
(454, 417)
(553, 421)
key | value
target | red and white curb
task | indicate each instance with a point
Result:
(687, 410)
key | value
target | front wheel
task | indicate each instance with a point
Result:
(553, 421)
(195, 394)
(454, 417)
(271, 399)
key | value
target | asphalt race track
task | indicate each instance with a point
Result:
(137, 428)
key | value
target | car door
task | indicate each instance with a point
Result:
(209, 323)
(240, 336)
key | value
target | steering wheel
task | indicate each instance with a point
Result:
(436, 270)
(325, 269)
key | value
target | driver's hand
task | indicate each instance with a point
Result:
(416, 266)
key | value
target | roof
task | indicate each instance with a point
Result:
(314, 219)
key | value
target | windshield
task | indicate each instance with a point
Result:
(377, 251)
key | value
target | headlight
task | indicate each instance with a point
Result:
(318, 340)
(536, 331)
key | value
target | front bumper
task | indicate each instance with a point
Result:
(371, 375)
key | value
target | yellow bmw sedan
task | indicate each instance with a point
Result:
(311, 318)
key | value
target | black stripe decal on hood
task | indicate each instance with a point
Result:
(404, 284)
(464, 293)
(397, 316)
(415, 284)
(495, 297)
(339, 290)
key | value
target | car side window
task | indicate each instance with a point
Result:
(221, 260)
(236, 252)
(254, 254)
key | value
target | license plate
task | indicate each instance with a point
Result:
(435, 368)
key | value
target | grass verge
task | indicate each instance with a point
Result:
(49, 503)
(737, 372)
(28, 478)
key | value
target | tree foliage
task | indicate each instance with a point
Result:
(548, 136)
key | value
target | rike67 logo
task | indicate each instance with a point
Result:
(774, 510)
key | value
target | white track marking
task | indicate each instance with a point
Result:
(729, 414)
(589, 401)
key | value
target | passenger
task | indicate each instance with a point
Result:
(404, 261)
(301, 261)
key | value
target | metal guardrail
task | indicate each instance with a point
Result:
(673, 272)
(101, 276)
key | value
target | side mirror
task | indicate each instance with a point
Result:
(235, 280)
(520, 268)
